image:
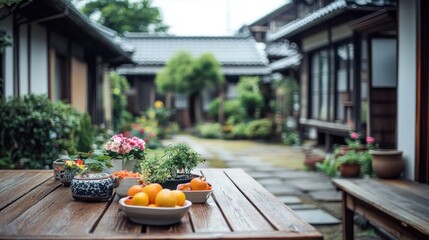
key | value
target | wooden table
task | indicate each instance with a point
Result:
(400, 207)
(34, 205)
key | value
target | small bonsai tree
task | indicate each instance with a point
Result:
(181, 159)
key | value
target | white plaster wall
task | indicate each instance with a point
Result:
(7, 24)
(407, 84)
(39, 60)
(23, 61)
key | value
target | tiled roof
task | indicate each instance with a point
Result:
(229, 51)
(287, 62)
(331, 9)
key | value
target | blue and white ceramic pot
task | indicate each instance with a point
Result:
(93, 187)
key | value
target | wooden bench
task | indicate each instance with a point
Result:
(398, 206)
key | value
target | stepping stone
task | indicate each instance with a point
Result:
(327, 196)
(271, 169)
(270, 181)
(302, 206)
(317, 217)
(308, 185)
(289, 199)
(283, 190)
(260, 175)
(295, 174)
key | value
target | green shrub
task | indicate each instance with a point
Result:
(231, 109)
(252, 102)
(210, 130)
(87, 134)
(238, 131)
(260, 128)
(34, 131)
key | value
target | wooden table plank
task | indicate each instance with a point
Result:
(240, 214)
(382, 203)
(208, 217)
(57, 213)
(115, 221)
(402, 198)
(21, 205)
(269, 205)
(14, 184)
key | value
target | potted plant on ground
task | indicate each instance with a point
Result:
(125, 152)
(173, 168)
(349, 164)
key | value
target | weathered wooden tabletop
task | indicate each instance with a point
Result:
(33, 205)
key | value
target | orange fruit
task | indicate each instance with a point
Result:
(198, 184)
(152, 190)
(140, 199)
(129, 201)
(180, 197)
(134, 189)
(166, 198)
(152, 205)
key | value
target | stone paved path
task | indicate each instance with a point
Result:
(310, 194)
(286, 184)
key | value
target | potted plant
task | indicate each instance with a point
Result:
(172, 168)
(349, 164)
(96, 160)
(125, 152)
(70, 169)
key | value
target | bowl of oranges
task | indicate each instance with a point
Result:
(198, 190)
(154, 205)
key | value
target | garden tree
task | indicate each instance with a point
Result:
(184, 74)
(250, 96)
(127, 15)
(119, 86)
(175, 75)
(205, 73)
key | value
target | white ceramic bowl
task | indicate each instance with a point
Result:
(155, 215)
(198, 196)
(125, 184)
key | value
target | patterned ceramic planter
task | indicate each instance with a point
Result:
(58, 164)
(93, 187)
(66, 176)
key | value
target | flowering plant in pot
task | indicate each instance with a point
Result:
(349, 164)
(130, 150)
(69, 169)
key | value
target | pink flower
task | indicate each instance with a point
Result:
(354, 135)
(369, 139)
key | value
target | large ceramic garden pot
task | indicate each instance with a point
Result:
(350, 170)
(387, 163)
(311, 160)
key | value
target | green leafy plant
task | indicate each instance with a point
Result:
(96, 160)
(210, 130)
(181, 159)
(261, 128)
(351, 157)
(34, 130)
(154, 169)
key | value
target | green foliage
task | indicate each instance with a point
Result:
(238, 131)
(205, 73)
(250, 96)
(291, 138)
(177, 159)
(287, 87)
(328, 167)
(232, 110)
(176, 74)
(350, 157)
(95, 161)
(210, 130)
(181, 158)
(34, 131)
(127, 16)
(260, 128)
(184, 74)
(119, 86)
(87, 133)
(155, 169)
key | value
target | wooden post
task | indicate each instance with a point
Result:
(348, 219)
